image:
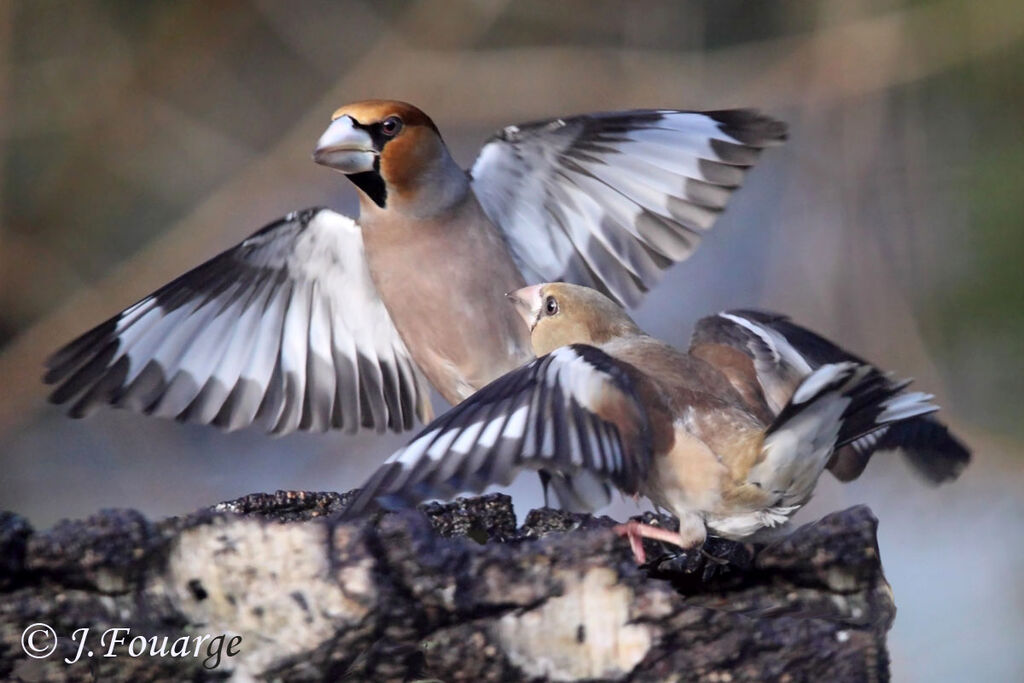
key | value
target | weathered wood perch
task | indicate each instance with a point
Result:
(472, 599)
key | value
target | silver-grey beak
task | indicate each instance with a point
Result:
(527, 303)
(345, 148)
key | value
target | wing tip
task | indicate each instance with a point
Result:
(751, 126)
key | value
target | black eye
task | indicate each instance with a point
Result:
(391, 125)
(550, 305)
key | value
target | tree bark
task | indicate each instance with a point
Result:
(457, 594)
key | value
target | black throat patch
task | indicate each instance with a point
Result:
(372, 184)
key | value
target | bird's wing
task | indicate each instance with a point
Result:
(285, 329)
(573, 412)
(759, 360)
(609, 200)
(766, 357)
(838, 404)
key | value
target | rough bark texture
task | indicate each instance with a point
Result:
(460, 594)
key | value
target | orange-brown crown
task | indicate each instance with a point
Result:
(372, 111)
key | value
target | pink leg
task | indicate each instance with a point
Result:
(637, 531)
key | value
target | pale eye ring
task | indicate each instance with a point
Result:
(391, 125)
(550, 306)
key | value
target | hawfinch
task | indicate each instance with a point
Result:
(731, 435)
(317, 321)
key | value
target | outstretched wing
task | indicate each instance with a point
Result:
(767, 357)
(571, 412)
(285, 329)
(609, 200)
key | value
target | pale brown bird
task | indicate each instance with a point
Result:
(318, 322)
(731, 435)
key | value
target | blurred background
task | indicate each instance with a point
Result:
(140, 138)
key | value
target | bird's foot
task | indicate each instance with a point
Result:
(636, 531)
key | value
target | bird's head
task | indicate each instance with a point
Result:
(559, 314)
(385, 147)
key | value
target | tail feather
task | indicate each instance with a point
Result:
(926, 444)
(875, 404)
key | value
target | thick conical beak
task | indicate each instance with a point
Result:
(527, 301)
(345, 147)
